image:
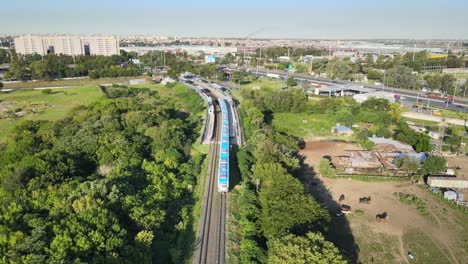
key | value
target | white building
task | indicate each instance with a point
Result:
(377, 95)
(67, 45)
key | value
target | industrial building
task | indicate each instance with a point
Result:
(67, 45)
(447, 182)
(219, 52)
(342, 90)
(373, 162)
(390, 145)
(377, 95)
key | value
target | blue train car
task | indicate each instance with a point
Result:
(223, 166)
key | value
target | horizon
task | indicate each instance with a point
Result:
(298, 19)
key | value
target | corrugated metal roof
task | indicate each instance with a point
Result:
(389, 145)
(342, 129)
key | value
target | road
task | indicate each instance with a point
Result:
(210, 246)
(408, 95)
(420, 116)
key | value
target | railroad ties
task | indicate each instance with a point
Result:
(211, 242)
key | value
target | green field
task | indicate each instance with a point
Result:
(304, 125)
(261, 83)
(423, 248)
(54, 106)
(73, 82)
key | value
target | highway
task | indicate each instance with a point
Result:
(408, 95)
(210, 246)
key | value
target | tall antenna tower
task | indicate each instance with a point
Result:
(440, 140)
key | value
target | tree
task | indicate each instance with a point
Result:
(395, 112)
(423, 144)
(1, 85)
(374, 75)
(5, 56)
(238, 76)
(312, 248)
(17, 69)
(285, 206)
(407, 164)
(443, 83)
(376, 104)
(434, 164)
(339, 69)
(290, 81)
(325, 169)
(402, 77)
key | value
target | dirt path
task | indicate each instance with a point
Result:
(402, 249)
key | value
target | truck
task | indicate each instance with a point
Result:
(436, 96)
(449, 100)
(273, 75)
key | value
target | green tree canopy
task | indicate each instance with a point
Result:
(402, 77)
(311, 248)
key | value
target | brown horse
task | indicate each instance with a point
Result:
(383, 217)
(341, 198)
(365, 200)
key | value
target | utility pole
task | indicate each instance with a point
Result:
(440, 140)
(383, 85)
(311, 67)
(414, 50)
(446, 58)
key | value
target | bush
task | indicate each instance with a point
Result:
(410, 199)
(325, 169)
(170, 84)
(47, 91)
(359, 212)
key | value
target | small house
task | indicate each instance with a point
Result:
(342, 130)
(450, 195)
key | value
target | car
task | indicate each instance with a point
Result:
(460, 106)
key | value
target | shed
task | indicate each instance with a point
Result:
(450, 195)
(342, 130)
(137, 81)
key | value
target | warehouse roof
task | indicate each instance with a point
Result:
(389, 145)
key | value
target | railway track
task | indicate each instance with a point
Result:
(210, 246)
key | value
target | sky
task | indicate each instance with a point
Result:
(311, 19)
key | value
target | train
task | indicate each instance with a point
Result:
(223, 166)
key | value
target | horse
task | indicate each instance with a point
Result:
(365, 200)
(342, 197)
(383, 217)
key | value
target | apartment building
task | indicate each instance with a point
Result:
(68, 45)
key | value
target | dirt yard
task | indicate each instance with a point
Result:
(315, 150)
(462, 163)
(439, 237)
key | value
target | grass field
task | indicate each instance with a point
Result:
(74, 82)
(304, 125)
(264, 83)
(454, 114)
(423, 248)
(58, 104)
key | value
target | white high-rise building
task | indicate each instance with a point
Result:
(67, 45)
